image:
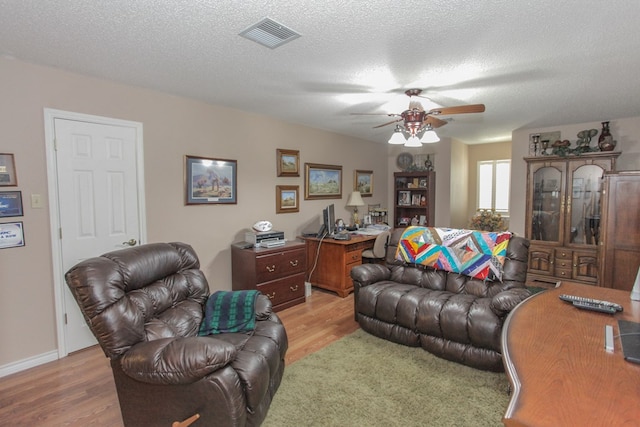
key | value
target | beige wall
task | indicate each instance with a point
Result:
(626, 131)
(173, 127)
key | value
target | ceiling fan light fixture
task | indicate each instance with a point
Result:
(413, 141)
(397, 137)
(429, 137)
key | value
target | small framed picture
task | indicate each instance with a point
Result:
(415, 200)
(288, 162)
(404, 198)
(11, 235)
(210, 181)
(8, 176)
(363, 182)
(10, 203)
(322, 181)
(287, 197)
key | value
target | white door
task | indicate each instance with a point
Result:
(98, 203)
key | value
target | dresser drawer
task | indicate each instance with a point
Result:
(283, 290)
(354, 256)
(564, 273)
(280, 264)
(562, 263)
(563, 254)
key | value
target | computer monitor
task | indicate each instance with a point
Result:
(328, 221)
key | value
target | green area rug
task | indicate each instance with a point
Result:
(362, 380)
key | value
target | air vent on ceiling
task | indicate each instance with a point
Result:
(269, 33)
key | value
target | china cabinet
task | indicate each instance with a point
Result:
(414, 194)
(563, 216)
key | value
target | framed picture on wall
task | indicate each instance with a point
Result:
(363, 182)
(288, 162)
(287, 199)
(322, 181)
(10, 203)
(210, 181)
(11, 235)
(8, 176)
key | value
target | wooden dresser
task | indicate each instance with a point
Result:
(329, 261)
(278, 273)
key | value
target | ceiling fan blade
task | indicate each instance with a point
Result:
(435, 122)
(460, 109)
(389, 123)
(375, 114)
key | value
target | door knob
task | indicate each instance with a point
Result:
(131, 242)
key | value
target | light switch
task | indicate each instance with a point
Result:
(36, 201)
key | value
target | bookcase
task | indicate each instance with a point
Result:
(414, 202)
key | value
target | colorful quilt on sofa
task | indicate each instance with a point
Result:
(478, 254)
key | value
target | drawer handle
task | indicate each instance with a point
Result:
(271, 269)
(294, 263)
(293, 288)
(562, 273)
(271, 296)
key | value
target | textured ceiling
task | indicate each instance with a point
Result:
(532, 63)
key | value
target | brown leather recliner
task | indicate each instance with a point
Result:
(144, 305)
(448, 314)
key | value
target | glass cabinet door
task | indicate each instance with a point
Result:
(546, 219)
(584, 205)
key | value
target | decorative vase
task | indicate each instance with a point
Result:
(606, 142)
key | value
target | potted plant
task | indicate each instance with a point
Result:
(487, 220)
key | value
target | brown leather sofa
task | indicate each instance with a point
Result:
(145, 305)
(450, 315)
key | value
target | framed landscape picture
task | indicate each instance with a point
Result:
(322, 181)
(363, 182)
(287, 199)
(210, 181)
(288, 162)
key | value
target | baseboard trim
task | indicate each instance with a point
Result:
(28, 363)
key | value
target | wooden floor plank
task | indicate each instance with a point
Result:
(78, 390)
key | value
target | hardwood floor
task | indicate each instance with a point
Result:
(78, 390)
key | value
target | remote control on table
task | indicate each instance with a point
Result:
(594, 306)
(573, 298)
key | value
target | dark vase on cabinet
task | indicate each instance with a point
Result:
(563, 217)
(414, 202)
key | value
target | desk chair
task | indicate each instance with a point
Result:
(379, 250)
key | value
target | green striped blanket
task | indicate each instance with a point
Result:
(229, 311)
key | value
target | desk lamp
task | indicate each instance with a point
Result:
(355, 200)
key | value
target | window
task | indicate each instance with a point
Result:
(493, 185)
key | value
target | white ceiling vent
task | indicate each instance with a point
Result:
(269, 33)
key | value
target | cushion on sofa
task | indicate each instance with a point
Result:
(478, 254)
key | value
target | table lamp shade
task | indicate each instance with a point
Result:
(355, 199)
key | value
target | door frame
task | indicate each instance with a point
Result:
(50, 115)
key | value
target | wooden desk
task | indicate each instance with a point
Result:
(334, 261)
(560, 372)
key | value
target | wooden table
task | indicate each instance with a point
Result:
(560, 372)
(329, 261)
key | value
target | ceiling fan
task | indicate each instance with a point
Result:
(416, 120)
